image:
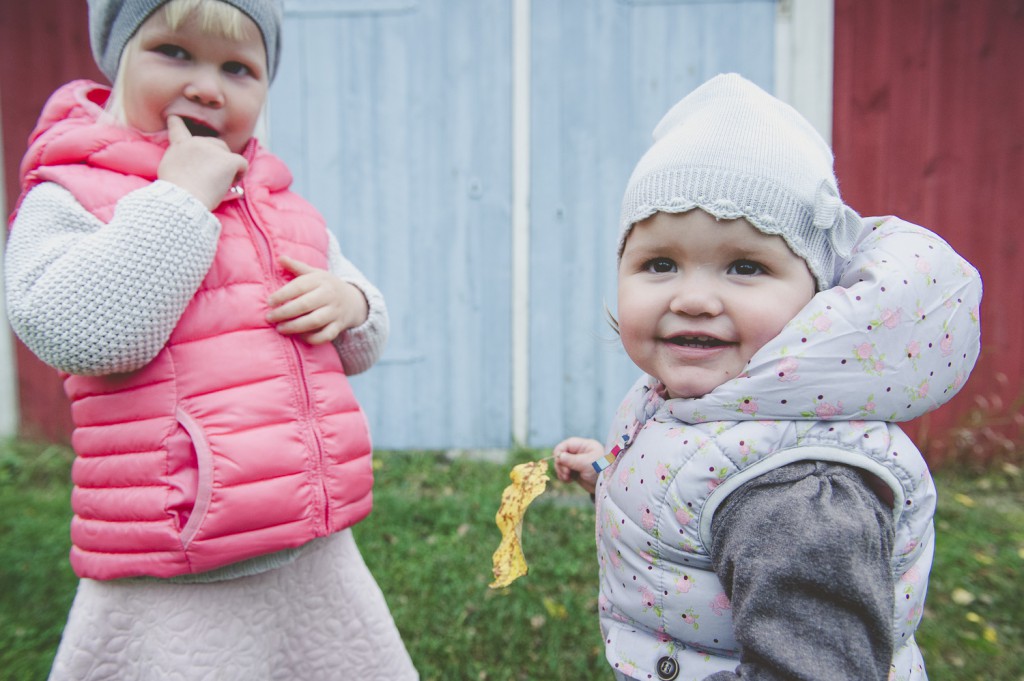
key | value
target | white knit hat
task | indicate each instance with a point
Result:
(112, 23)
(734, 151)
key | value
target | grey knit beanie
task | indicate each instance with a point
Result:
(112, 23)
(734, 151)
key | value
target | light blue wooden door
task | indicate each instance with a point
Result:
(394, 116)
(603, 74)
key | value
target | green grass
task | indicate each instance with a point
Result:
(974, 616)
(429, 544)
(36, 581)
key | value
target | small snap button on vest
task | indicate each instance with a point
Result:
(668, 668)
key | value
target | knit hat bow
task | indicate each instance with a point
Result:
(836, 219)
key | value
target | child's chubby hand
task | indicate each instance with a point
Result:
(202, 166)
(573, 459)
(315, 305)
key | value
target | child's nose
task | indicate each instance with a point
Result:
(697, 294)
(205, 88)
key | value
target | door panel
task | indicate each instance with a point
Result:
(603, 75)
(394, 117)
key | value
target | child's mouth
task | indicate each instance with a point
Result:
(696, 341)
(198, 128)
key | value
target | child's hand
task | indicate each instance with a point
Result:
(573, 459)
(202, 166)
(315, 304)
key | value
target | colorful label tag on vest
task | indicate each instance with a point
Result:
(608, 458)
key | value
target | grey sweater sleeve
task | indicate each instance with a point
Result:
(359, 347)
(804, 554)
(97, 298)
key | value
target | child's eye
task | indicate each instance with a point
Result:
(659, 266)
(746, 268)
(236, 68)
(172, 51)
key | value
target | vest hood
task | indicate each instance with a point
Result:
(896, 338)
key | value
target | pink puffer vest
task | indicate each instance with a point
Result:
(235, 441)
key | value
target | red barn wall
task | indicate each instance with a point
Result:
(43, 43)
(929, 125)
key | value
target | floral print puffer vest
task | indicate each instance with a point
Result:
(894, 339)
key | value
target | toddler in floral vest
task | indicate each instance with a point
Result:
(759, 515)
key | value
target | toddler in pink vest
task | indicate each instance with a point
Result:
(205, 321)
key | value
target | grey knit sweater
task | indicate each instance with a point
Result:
(93, 298)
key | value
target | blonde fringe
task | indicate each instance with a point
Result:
(215, 17)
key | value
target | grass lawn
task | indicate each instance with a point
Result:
(429, 544)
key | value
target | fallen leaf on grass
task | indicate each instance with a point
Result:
(556, 610)
(964, 500)
(962, 596)
(983, 558)
(528, 482)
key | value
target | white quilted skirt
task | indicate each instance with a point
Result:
(321, 617)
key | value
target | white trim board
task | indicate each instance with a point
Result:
(9, 408)
(804, 47)
(521, 56)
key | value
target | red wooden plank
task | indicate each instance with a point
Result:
(929, 125)
(43, 43)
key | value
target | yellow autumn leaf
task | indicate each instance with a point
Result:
(528, 482)
(990, 635)
(964, 500)
(962, 596)
(555, 609)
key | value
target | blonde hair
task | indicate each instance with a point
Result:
(216, 19)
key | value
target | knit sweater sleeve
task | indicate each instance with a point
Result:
(804, 555)
(96, 298)
(359, 347)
